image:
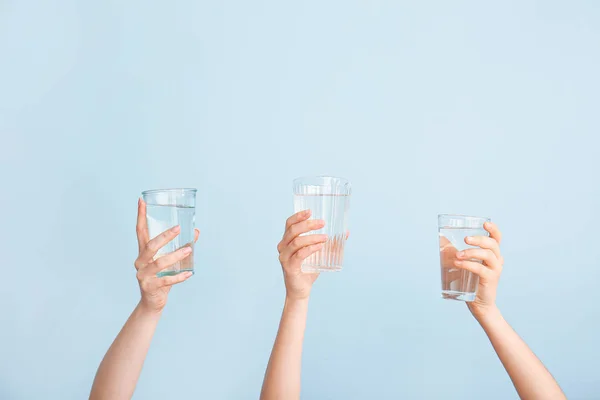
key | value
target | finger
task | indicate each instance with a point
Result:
(474, 267)
(300, 242)
(157, 243)
(447, 257)
(485, 243)
(298, 217)
(451, 274)
(445, 244)
(485, 255)
(347, 234)
(173, 280)
(141, 227)
(196, 234)
(298, 229)
(305, 252)
(495, 233)
(167, 260)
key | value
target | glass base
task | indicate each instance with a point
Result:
(460, 296)
(173, 273)
(313, 269)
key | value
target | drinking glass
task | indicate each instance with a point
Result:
(328, 198)
(166, 208)
(458, 284)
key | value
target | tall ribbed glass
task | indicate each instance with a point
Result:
(458, 284)
(166, 208)
(328, 198)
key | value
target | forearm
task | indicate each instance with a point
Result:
(282, 379)
(120, 369)
(529, 376)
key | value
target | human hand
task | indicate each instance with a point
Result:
(488, 270)
(293, 249)
(154, 289)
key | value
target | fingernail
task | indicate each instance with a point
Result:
(324, 238)
(460, 254)
(319, 222)
(186, 250)
(468, 238)
(175, 228)
(188, 274)
(457, 263)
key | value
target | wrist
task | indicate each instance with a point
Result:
(148, 309)
(297, 295)
(293, 300)
(488, 317)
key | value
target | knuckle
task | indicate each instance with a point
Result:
(302, 253)
(159, 263)
(145, 285)
(151, 247)
(294, 244)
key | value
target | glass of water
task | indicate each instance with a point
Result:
(458, 284)
(166, 208)
(328, 198)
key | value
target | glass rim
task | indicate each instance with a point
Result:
(171, 190)
(464, 216)
(461, 221)
(307, 177)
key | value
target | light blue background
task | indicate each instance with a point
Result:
(427, 107)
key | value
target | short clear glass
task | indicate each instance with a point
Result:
(328, 198)
(166, 208)
(458, 284)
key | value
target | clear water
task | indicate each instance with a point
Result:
(161, 218)
(457, 284)
(333, 209)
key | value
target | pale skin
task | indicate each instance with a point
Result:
(529, 376)
(120, 369)
(282, 378)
